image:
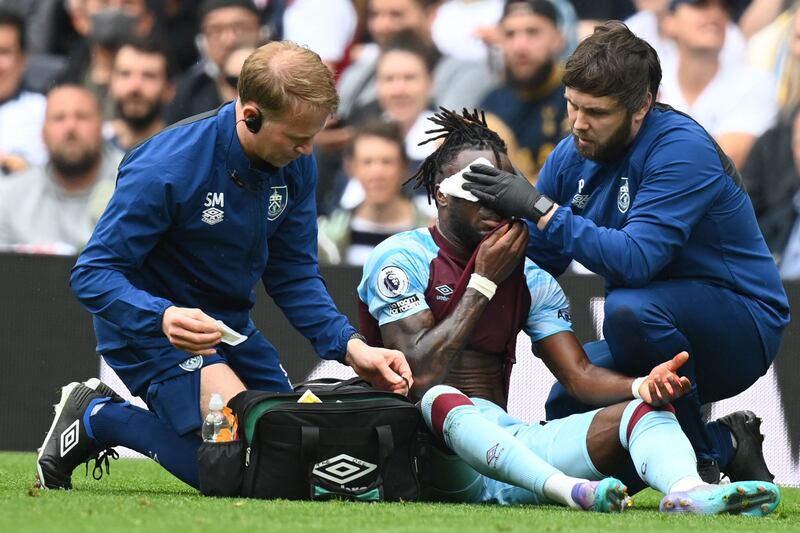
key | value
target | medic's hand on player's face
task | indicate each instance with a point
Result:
(663, 385)
(191, 330)
(383, 368)
(507, 193)
(501, 252)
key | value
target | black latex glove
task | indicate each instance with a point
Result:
(506, 193)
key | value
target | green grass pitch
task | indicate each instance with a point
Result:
(140, 496)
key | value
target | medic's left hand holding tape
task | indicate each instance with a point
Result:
(507, 193)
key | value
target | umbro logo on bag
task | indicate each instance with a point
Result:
(343, 468)
(69, 438)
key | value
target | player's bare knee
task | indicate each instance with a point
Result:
(221, 379)
(607, 421)
(605, 449)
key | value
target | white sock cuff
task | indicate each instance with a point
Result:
(426, 403)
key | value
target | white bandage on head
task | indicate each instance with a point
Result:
(451, 185)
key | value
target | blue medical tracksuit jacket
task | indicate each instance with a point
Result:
(671, 207)
(180, 231)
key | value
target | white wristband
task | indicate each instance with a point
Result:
(483, 285)
(637, 383)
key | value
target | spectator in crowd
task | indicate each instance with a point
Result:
(223, 24)
(39, 20)
(404, 82)
(140, 88)
(231, 66)
(179, 24)
(776, 48)
(104, 25)
(757, 14)
(709, 89)
(459, 25)
(53, 208)
(468, 30)
(21, 111)
(379, 163)
(772, 176)
(457, 83)
(529, 110)
(325, 26)
(648, 24)
(590, 13)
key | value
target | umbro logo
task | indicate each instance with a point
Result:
(212, 216)
(69, 437)
(580, 200)
(343, 468)
(444, 290)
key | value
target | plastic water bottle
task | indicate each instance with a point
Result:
(216, 423)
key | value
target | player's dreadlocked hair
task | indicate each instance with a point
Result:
(464, 131)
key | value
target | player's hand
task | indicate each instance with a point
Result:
(501, 252)
(663, 385)
(507, 193)
(383, 368)
(191, 330)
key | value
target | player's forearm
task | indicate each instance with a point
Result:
(433, 353)
(594, 385)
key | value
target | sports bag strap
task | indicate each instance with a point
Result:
(331, 383)
(385, 446)
(309, 441)
(352, 381)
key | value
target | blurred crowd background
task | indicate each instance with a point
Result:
(82, 81)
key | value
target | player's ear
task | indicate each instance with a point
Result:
(638, 115)
(440, 197)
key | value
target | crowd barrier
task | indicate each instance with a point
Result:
(48, 341)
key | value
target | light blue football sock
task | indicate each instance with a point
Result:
(661, 452)
(482, 444)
